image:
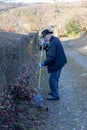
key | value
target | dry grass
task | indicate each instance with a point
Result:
(24, 18)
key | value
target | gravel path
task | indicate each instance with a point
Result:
(70, 113)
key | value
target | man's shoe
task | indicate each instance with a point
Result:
(50, 93)
(53, 98)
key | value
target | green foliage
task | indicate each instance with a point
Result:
(63, 35)
(72, 27)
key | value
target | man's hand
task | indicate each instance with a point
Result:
(41, 64)
(41, 41)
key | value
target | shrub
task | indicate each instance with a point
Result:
(73, 27)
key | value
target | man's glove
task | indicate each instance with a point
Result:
(41, 64)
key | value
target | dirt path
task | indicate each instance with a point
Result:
(70, 113)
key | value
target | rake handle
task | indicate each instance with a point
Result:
(39, 81)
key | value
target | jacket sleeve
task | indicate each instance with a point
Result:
(51, 55)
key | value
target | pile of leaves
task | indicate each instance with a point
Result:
(10, 102)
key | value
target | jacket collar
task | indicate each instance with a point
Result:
(51, 38)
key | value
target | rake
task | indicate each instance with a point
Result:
(38, 100)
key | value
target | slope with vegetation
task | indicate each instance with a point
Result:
(38, 16)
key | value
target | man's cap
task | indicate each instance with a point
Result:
(45, 32)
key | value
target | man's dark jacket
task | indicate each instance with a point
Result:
(55, 56)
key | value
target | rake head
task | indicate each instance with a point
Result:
(37, 100)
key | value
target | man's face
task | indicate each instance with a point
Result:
(47, 37)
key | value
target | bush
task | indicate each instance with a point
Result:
(12, 56)
(73, 27)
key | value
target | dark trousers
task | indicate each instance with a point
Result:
(53, 82)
